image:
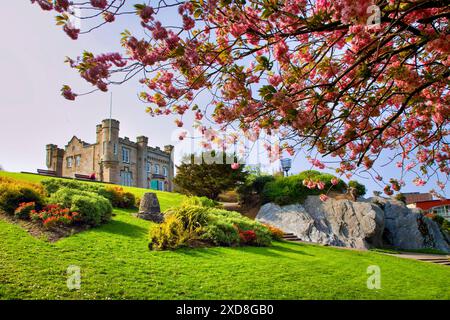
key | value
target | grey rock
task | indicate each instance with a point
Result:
(407, 228)
(373, 222)
(149, 208)
(334, 222)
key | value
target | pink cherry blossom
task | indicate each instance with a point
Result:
(235, 166)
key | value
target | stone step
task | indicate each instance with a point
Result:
(437, 260)
(290, 236)
(442, 263)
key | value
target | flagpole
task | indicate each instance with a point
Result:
(110, 115)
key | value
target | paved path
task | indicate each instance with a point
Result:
(433, 258)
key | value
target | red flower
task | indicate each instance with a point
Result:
(247, 236)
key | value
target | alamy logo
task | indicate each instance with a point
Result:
(73, 277)
(74, 17)
(374, 280)
(374, 20)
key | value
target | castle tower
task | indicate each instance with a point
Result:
(109, 150)
(169, 149)
(55, 159)
(98, 130)
(142, 145)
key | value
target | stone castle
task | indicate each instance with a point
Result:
(115, 160)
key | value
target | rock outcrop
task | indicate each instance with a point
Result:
(407, 228)
(375, 222)
(334, 222)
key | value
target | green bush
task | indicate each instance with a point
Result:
(254, 184)
(13, 193)
(360, 188)
(288, 190)
(118, 197)
(200, 201)
(93, 208)
(53, 185)
(191, 225)
(226, 220)
(444, 224)
(221, 233)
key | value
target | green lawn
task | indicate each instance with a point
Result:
(116, 264)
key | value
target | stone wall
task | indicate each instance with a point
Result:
(76, 148)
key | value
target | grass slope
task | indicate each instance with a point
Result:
(116, 264)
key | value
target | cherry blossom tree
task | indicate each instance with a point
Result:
(346, 80)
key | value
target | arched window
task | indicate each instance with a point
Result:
(165, 171)
(156, 169)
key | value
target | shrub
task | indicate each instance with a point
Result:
(169, 235)
(13, 193)
(137, 202)
(229, 196)
(24, 209)
(288, 190)
(53, 215)
(191, 225)
(232, 219)
(400, 197)
(444, 224)
(201, 202)
(221, 233)
(277, 234)
(93, 208)
(53, 185)
(118, 197)
(254, 184)
(360, 188)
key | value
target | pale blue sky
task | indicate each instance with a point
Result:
(32, 112)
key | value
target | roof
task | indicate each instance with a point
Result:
(427, 205)
(414, 197)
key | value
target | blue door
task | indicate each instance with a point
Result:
(154, 185)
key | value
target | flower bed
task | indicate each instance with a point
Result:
(53, 215)
(55, 208)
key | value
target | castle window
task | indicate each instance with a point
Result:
(148, 166)
(77, 161)
(104, 147)
(126, 177)
(156, 169)
(125, 155)
(115, 148)
(165, 172)
(69, 162)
